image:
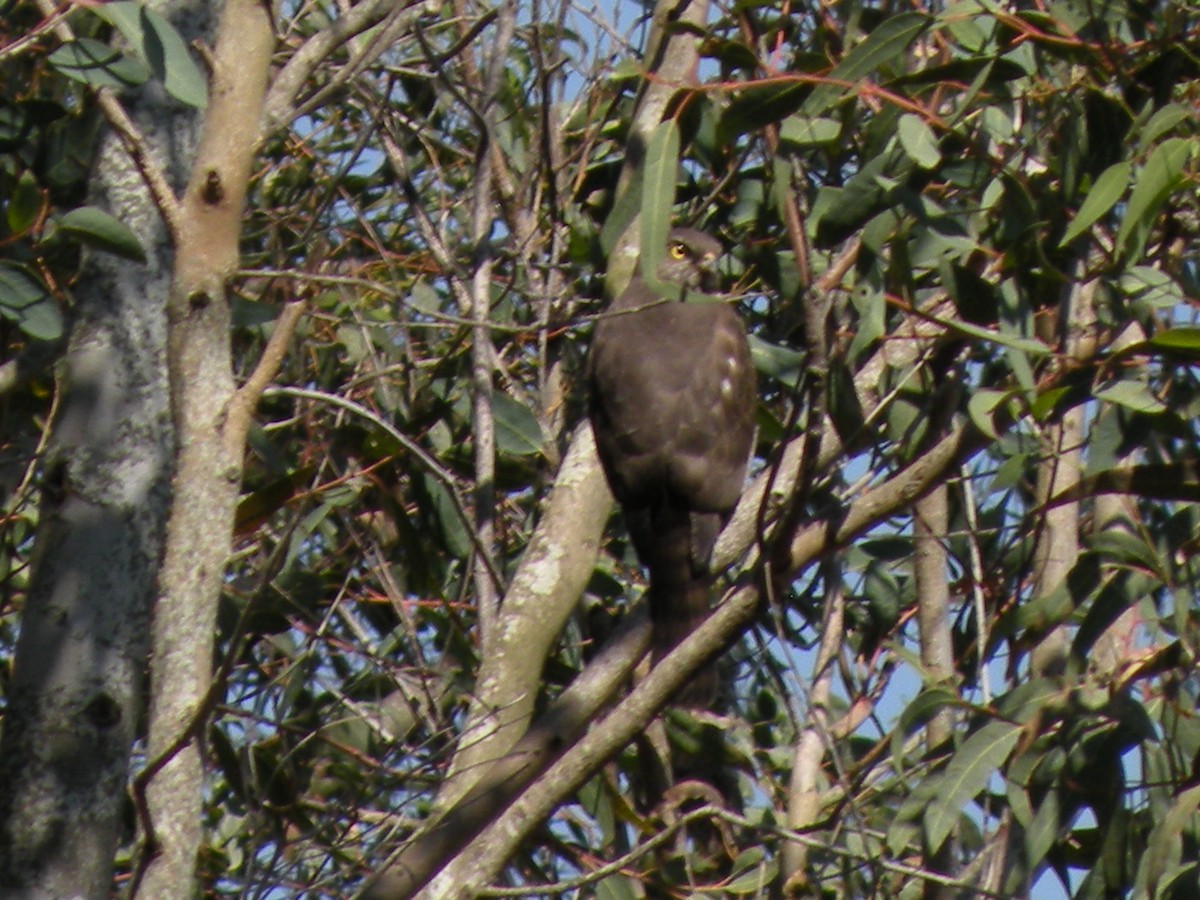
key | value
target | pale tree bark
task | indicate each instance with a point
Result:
(1117, 512)
(483, 217)
(211, 414)
(78, 683)
(931, 573)
(1057, 546)
(211, 420)
(808, 781)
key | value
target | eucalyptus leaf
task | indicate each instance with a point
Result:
(1134, 395)
(658, 195)
(919, 141)
(1103, 196)
(966, 775)
(24, 204)
(886, 44)
(518, 431)
(1159, 178)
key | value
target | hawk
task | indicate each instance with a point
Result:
(672, 399)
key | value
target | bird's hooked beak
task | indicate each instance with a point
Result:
(710, 279)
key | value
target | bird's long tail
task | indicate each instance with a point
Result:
(680, 591)
(676, 613)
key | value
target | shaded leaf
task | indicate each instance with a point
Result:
(1103, 196)
(454, 532)
(761, 104)
(98, 65)
(518, 431)
(1165, 845)
(775, 360)
(966, 776)
(159, 46)
(981, 406)
(97, 228)
(25, 301)
(926, 705)
(887, 43)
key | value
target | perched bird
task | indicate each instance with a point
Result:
(672, 399)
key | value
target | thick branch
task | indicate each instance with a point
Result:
(484, 859)
(562, 723)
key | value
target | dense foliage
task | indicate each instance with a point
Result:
(973, 219)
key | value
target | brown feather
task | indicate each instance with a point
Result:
(672, 397)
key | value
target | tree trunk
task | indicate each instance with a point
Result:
(210, 419)
(78, 684)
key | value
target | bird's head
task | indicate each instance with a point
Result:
(690, 260)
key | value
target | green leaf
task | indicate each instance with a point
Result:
(754, 881)
(919, 141)
(904, 827)
(761, 104)
(1032, 699)
(776, 361)
(1184, 339)
(803, 131)
(887, 43)
(1012, 341)
(926, 705)
(658, 195)
(1165, 845)
(518, 431)
(1159, 178)
(1133, 395)
(170, 60)
(423, 298)
(981, 406)
(1100, 199)
(25, 301)
(1151, 287)
(966, 776)
(1043, 830)
(1047, 401)
(617, 887)
(98, 65)
(1164, 120)
(1121, 593)
(159, 46)
(454, 532)
(24, 205)
(97, 228)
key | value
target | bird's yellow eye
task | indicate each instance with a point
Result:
(677, 250)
